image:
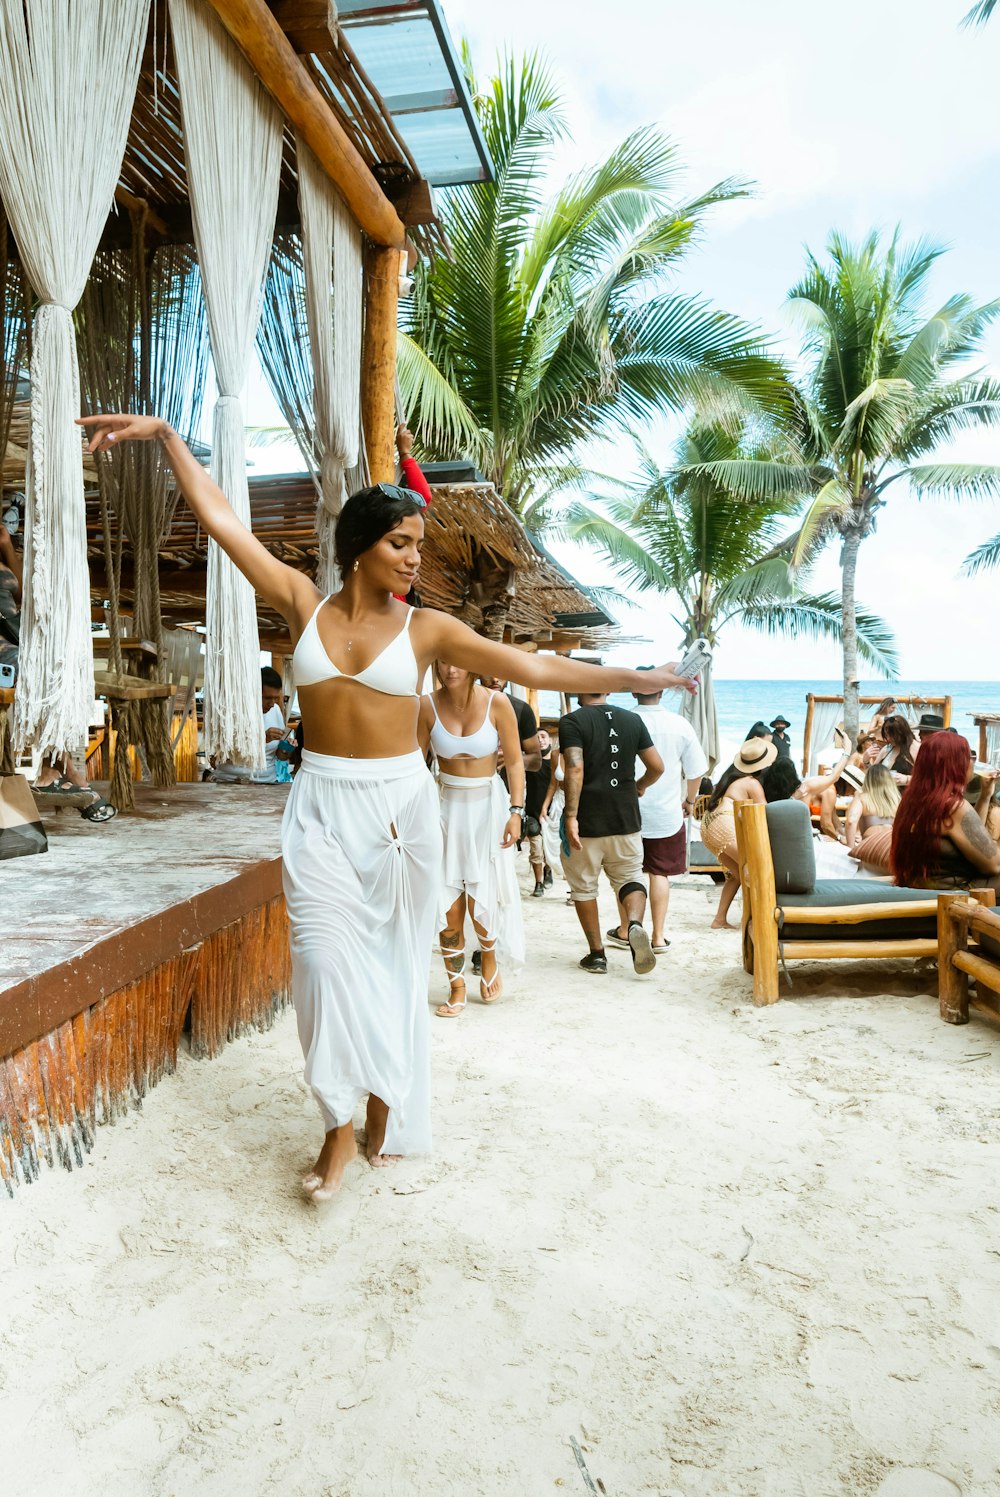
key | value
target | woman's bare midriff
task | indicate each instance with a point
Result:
(350, 720)
(470, 768)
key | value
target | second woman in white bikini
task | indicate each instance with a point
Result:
(467, 726)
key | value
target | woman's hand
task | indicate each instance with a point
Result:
(106, 431)
(512, 831)
(665, 678)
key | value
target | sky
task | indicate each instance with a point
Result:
(867, 113)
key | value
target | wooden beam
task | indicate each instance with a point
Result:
(378, 362)
(268, 51)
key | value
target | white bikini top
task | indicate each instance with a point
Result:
(393, 671)
(447, 745)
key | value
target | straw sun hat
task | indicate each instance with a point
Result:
(754, 755)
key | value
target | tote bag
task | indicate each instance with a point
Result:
(21, 830)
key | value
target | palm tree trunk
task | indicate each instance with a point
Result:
(849, 629)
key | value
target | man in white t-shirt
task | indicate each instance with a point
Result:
(664, 806)
(271, 697)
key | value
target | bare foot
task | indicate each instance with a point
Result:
(339, 1148)
(722, 925)
(376, 1120)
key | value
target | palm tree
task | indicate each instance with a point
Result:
(885, 388)
(726, 559)
(551, 321)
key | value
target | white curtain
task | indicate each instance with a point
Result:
(232, 145)
(68, 75)
(331, 253)
(826, 716)
(701, 712)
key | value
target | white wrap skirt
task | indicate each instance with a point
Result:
(473, 815)
(361, 844)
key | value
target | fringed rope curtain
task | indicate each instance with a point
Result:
(232, 142)
(144, 347)
(67, 84)
(15, 310)
(331, 249)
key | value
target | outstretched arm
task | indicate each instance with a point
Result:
(446, 638)
(279, 585)
(817, 783)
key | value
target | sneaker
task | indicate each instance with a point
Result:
(547, 878)
(595, 961)
(538, 892)
(614, 939)
(643, 959)
(477, 961)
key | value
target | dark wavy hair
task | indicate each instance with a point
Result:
(780, 780)
(368, 516)
(934, 794)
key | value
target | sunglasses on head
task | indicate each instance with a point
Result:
(396, 491)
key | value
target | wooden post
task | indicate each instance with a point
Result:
(757, 877)
(982, 741)
(953, 985)
(807, 732)
(271, 55)
(378, 362)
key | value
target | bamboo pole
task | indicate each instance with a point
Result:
(757, 877)
(807, 732)
(378, 362)
(269, 52)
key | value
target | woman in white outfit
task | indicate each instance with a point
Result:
(466, 725)
(361, 837)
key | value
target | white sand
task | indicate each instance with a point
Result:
(731, 1251)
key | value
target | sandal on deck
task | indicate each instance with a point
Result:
(452, 1010)
(486, 989)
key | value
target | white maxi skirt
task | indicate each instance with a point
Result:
(361, 846)
(473, 816)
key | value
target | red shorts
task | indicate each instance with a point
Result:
(665, 855)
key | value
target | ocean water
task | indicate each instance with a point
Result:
(740, 703)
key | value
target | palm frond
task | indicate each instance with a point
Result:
(819, 617)
(979, 14)
(445, 423)
(831, 503)
(956, 480)
(985, 558)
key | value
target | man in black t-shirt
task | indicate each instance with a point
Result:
(599, 745)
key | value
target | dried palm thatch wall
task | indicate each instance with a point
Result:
(93, 1067)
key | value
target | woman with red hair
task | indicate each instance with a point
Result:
(939, 841)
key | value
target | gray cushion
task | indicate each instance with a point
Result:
(837, 892)
(700, 857)
(789, 827)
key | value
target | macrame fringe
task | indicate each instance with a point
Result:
(233, 724)
(67, 85)
(233, 135)
(55, 1093)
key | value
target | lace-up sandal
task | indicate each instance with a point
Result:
(490, 991)
(455, 953)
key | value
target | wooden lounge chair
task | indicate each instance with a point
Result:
(968, 946)
(792, 916)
